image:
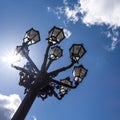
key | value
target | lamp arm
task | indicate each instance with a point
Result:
(31, 62)
(63, 84)
(56, 72)
(45, 58)
(23, 70)
(48, 65)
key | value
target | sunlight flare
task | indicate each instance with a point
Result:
(11, 58)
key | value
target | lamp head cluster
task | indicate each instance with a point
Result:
(30, 75)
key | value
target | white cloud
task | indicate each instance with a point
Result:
(67, 33)
(8, 105)
(100, 12)
(72, 14)
(92, 12)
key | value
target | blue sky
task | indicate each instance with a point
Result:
(96, 25)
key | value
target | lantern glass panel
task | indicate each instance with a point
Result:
(82, 52)
(60, 36)
(76, 49)
(82, 72)
(56, 31)
(76, 72)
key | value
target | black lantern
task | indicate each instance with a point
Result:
(21, 51)
(76, 52)
(55, 53)
(63, 89)
(32, 36)
(56, 35)
(79, 72)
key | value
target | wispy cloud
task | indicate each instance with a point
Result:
(8, 105)
(70, 11)
(67, 33)
(90, 12)
(113, 34)
(34, 118)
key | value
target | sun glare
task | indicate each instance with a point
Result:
(11, 58)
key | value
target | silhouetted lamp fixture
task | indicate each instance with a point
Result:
(21, 52)
(41, 82)
(56, 35)
(55, 53)
(79, 72)
(63, 89)
(32, 36)
(76, 52)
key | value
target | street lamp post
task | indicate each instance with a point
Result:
(40, 82)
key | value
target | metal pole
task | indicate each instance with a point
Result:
(29, 98)
(27, 102)
(25, 106)
(31, 62)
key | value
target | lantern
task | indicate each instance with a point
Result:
(76, 52)
(55, 53)
(79, 72)
(32, 36)
(56, 35)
